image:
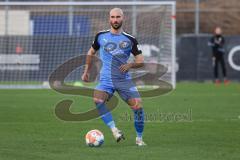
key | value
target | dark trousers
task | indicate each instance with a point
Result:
(219, 60)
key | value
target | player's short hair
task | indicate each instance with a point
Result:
(117, 10)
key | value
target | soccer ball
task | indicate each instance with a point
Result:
(94, 138)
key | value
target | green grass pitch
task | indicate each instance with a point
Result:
(197, 121)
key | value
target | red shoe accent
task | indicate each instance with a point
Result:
(226, 82)
(217, 82)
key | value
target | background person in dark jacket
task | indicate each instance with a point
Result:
(217, 43)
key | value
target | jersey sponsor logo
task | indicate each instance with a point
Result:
(110, 46)
(124, 45)
(119, 53)
(117, 48)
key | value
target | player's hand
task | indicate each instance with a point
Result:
(85, 77)
(125, 67)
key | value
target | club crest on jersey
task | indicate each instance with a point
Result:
(124, 44)
(110, 46)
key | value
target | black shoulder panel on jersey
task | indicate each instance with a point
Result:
(135, 51)
(95, 43)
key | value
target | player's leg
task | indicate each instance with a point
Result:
(223, 66)
(136, 106)
(217, 81)
(129, 93)
(101, 95)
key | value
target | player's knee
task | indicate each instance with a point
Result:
(98, 100)
(135, 103)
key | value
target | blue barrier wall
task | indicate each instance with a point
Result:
(60, 25)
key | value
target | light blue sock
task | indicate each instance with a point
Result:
(139, 121)
(106, 116)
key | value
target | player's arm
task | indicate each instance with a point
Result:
(222, 41)
(138, 58)
(138, 62)
(212, 44)
(91, 52)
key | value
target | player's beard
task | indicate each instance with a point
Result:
(116, 25)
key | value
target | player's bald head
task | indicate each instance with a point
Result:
(116, 11)
(218, 30)
(116, 18)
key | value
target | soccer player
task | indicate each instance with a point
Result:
(217, 43)
(115, 47)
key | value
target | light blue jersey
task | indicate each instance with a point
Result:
(115, 50)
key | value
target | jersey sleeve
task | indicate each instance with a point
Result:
(211, 41)
(223, 41)
(95, 44)
(135, 49)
